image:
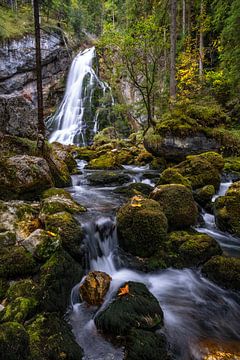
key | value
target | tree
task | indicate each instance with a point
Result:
(173, 41)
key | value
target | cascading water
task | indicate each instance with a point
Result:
(77, 119)
(195, 310)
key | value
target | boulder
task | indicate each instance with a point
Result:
(108, 178)
(134, 189)
(212, 349)
(14, 342)
(173, 176)
(107, 161)
(24, 176)
(177, 204)
(94, 287)
(64, 153)
(225, 271)
(201, 170)
(141, 226)
(227, 210)
(132, 307)
(203, 196)
(50, 337)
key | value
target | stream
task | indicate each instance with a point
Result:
(195, 310)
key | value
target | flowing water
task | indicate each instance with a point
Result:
(194, 308)
(77, 119)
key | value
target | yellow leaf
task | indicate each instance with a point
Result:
(51, 233)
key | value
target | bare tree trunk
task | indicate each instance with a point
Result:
(41, 126)
(184, 17)
(201, 45)
(173, 38)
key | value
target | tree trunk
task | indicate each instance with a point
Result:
(41, 126)
(173, 29)
(201, 45)
(184, 17)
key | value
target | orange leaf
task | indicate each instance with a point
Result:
(124, 290)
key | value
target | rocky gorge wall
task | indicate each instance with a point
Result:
(18, 100)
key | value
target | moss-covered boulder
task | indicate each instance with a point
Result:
(42, 244)
(7, 238)
(51, 338)
(187, 249)
(15, 262)
(64, 225)
(141, 226)
(94, 287)
(24, 177)
(172, 176)
(14, 342)
(20, 310)
(178, 205)
(225, 271)
(142, 344)
(201, 170)
(56, 192)
(203, 196)
(232, 166)
(105, 136)
(64, 153)
(227, 210)
(105, 178)
(57, 278)
(107, 161)
(134, 189)
(132, 307)
(59, 169)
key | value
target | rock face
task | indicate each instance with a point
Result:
(94, 287)
(227, 210)
(178, 205)
(175, 147)
(142, 226)
(17, 80)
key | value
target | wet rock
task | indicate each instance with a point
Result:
(146, 345)
(177, 204)
(14, 342)
(132, 307)
(203, 196)
(225, 271)
(94, 287)
(142, 226)
(172, 176)
(24, 177)
(214, 350)
(108, 178)
(134, 189)
(20, 310)
(51, 338)
(57, 278)
(64, 153)
(227, 210)
(107, 161)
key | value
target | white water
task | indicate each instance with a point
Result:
(76, 120)
(194, 308)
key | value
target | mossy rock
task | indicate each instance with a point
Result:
(59, 203)
(15, 262)
(200, 170)
(227, 210)
(134, 189)
(105, 178)
(3, 288)
(203, 196)
(141, 226)
(85, 153)
(51, 338)
(57, 278)
(20, 310)
(225, 271)
(69, 230)
(141, 344)
(56, 192)
(14, 145)
(105, 136)
(23, 288)
(107, 161)
(14, 342)
(58, 167)
(232, 165)
(190, 249)
(7, 238)
(137, 308)
(64, 153)
(94, 287)
(178, 205)
(172, 176)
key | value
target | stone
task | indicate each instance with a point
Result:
(177, 204)
(173, 176)
(108, 178)
(134, 189)
(94, 287)
(132, 307)
(64, 153)
(14, 342)
(203, 196)
(141, 226)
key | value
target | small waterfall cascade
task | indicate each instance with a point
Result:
(86, 98)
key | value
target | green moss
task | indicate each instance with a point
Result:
(106, 161)
(7, 238)
(225, 271)
(215, 159)
(105, 136)
(136, 309)
(14, 342)
(15, 262)
(85, 153)
(51, 338)
(23, 288)
(56, 192)
(172, 176)
(105, 178)
(142, 227)
(204, 195)
(3, 288)
(55, 204)
(178, 205)
(20, 310)
(57, 278)
(134, 189)
(69, 230)
(232, 164)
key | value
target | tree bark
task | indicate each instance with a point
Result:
(41, 126)
(184, 17)
(201, 45)
(173, 38)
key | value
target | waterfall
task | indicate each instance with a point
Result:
(77, 119)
